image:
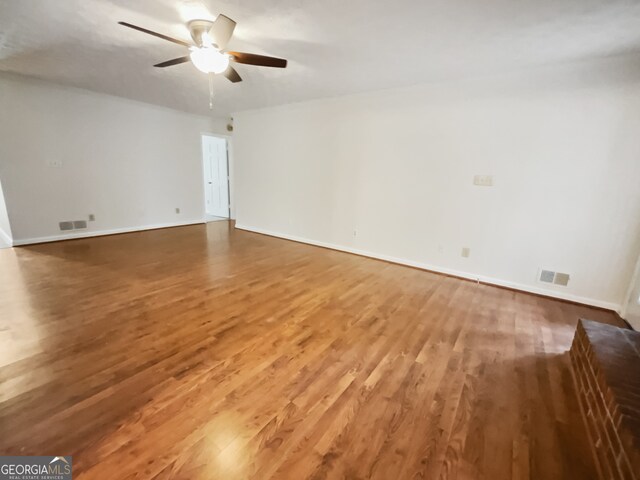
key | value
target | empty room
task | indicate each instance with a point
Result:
(320, 240)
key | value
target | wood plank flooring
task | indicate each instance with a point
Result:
(205, 352)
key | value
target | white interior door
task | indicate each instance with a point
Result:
(216, 176)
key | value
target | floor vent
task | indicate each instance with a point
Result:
(547, 276)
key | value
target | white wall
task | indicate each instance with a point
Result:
(5, 227)
(397, 167)
(128, 163)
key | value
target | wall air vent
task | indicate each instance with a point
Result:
(75, 225)
(547, 276)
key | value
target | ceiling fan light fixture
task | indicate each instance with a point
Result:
(208, 52)
(209, 59)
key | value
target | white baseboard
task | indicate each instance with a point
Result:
(100, 233)
(6, 238)
(447, 271)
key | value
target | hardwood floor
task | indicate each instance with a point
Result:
(208, 352)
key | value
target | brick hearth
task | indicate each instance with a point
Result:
(606, 366)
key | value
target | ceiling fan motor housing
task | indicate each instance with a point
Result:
(199, 27)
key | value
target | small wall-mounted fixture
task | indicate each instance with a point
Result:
(483, 180)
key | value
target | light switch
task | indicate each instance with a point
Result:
(483, 180)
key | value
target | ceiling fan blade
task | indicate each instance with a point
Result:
(221, 30)
(232, 75)
(175, 61)
(260, 60)
(156, 34)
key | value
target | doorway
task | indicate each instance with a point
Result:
(215, 160)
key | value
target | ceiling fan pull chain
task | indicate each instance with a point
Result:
(211, 91)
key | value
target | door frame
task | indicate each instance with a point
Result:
(627, 312)
(227, 138)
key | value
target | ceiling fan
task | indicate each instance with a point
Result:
(208, 52)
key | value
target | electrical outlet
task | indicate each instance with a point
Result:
(355, 233)
(177, 210)
(92, 217)
(466, 251)
(483, 180)
(440, 249)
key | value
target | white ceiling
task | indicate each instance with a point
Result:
(333, 47)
